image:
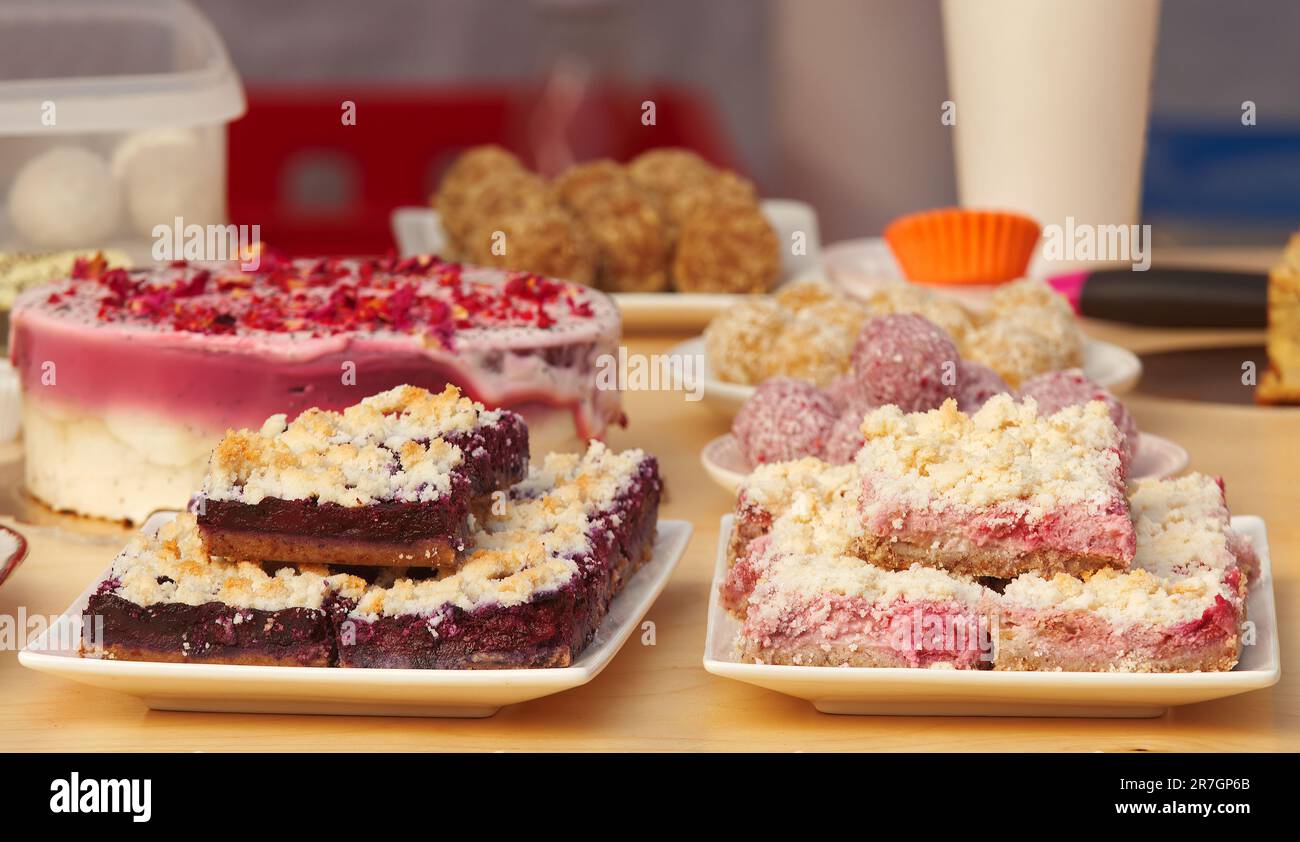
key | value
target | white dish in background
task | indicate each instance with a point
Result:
(1156, 457)
(376, 692)
(1111, 366)
(418, 230)
(861, 267)
(946, 692)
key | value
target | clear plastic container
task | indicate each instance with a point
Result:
(112, 121)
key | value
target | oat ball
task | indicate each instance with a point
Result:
(737, 339)
(1027, 293)
(976, 383)
(1022, 343)
(784, 419)
(668, 170)
(844, 439)
(806, 292)
(810, 348)
(490, 198)
(845, 313)
(726, 247)
(472, 166)
(624, 224)
(582, 184)
(909, 298)
(718, 186)
(905, 360)
(548, 242)
(1058, 389)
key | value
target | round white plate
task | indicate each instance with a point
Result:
(1118, 369)
(1157, 457)
(418, 230)
(861, 267)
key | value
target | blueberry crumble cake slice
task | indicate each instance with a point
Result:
(390, 481)
(537, 584)
(1179, 609)
(998, 493)
(166, 599)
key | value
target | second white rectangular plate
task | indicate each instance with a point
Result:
(383, 692)
(935, 692)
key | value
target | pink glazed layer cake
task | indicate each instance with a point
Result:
(130, 378)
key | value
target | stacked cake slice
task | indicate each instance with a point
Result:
(1004, 540)
(406, 531)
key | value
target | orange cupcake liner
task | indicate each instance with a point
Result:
(960, 246)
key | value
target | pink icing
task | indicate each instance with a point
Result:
(1075, 528)
(149, 348)
(914, 633)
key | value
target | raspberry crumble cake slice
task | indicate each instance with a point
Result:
(998, 493)
(805, 599)
(538, 583)
(166, 599)
(390, 481)
(1179, 610)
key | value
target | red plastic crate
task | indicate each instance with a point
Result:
(293, 144)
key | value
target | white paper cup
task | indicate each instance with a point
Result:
(1051, 106)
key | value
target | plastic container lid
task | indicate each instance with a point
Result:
(109, 67)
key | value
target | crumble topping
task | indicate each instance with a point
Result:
(1137, 597)
(174, 567)
(814, 522)
(772, 486)
(1003, 453)
(531, 549)
(387, 447)
(1182, 525)
(1183, 551)
(528, 550)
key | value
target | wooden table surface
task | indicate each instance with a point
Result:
(659, 698)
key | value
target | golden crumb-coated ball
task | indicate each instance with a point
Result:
(806, 292)
(717, 186)
(624, 224)
(843, 312)
(737, 339)
(548, 241)
(811, 348)
(1025, 342)
(669, 170)
(584, 184)
(1030, 293)
(472, 166)
(726, 247)
(503, 192)
(902, 298)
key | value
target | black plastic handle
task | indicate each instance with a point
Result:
(1176, 297)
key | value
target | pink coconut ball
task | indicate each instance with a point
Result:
(906, 360)
(1056, 390)
(844, 439)
(976, 383)
(784, 419)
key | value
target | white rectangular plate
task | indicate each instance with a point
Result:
(922, 692)
(376, 692)
(418, 230)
